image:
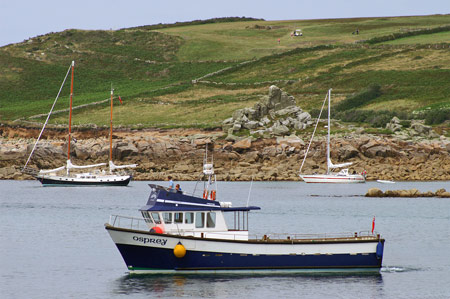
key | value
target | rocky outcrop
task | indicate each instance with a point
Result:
(375, 192)
(180, 153)
(275, 115)
(394, 125)
(414, 128)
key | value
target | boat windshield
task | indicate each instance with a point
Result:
(156, 218)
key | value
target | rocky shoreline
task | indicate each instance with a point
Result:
(180, 153)
(375, 192)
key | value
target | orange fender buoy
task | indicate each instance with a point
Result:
(179, 251)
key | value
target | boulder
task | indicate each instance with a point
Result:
(303, 117)
(291, 110)
(439, 192)
(374, 192)
(347, 151)
(251, 125)
(126, 151)
(394, 125)
(421, 129)
(236, 127)
(82, 152)
(279, 129)
(243, 144)
(382, 150)
(292, 141)
(11, 153)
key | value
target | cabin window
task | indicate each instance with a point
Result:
(147, 217)
(178, 217)
(156, 218)
(199, 219)
(189, 218)
(167, 217)
(211, 219)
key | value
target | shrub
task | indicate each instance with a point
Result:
(376, 119)
(435, 117)
(360, 99)
(405, 123)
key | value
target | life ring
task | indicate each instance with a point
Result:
(213, 195)
(205, 194)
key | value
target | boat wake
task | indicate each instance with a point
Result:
(397, 269)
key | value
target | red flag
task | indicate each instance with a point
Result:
(373, 224)
(120, 100)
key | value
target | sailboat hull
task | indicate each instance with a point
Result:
(333, 178)
(47, 180)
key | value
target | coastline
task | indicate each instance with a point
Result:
(180, 152)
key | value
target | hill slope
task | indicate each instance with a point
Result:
(152, 69)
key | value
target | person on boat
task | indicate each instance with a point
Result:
(178, 188)
(171, 184)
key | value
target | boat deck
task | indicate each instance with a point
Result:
(138, 225)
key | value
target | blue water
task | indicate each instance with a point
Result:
(53, 243)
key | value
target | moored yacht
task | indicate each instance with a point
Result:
(56, 177)
(343, 176)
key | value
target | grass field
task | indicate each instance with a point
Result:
(152, 70)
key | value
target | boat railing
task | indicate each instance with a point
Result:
(342, 235)
(127, 222)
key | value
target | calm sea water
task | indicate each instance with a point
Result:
(53, 243)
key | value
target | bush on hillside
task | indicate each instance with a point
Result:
(435, 117)
(360, 99)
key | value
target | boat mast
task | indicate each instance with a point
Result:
(70, 114)
(328, 137)
(111, 126)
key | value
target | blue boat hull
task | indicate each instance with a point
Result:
(140, 258)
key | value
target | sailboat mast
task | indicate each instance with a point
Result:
(111, 126)
(70, 111)
(328, 137)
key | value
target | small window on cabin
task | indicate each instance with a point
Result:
(156, 218)
(189, 218)
(199, 219)
(167, 217)
(178, 217)
(147, 217)
(211, 219)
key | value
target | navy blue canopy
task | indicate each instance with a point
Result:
(162, 199)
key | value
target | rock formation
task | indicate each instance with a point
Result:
(375, 192)
(275, 115)
(415, 128)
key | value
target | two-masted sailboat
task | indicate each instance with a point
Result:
(343, 176)
(56, 177)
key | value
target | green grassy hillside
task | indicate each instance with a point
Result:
(152, 68)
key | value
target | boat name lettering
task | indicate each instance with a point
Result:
(150, 240)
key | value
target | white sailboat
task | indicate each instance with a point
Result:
(54, 177)
(342, 176)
